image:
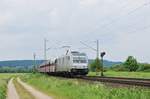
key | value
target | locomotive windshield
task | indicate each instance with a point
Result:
(79, 60)
(79, 57)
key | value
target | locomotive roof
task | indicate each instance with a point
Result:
(75, 53)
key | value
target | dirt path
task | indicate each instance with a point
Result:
(37, 94)
(12, 94)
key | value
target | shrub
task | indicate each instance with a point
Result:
(144, 67)
(131, 63)
(119, 67)
(96, 65)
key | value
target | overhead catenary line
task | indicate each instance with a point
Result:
(88, 46)
(145, 4)
(141, 29)
(97, 49)
(129, 13)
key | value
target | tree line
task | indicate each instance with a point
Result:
(14, 69)
(131, 64)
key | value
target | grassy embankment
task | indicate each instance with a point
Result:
(4, 78)
(124, 74)
(75, 89)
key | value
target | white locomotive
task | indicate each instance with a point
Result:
(74, 63)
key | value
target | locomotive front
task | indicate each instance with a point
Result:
(79, 63)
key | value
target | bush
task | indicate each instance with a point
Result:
(141, 67)
(96, 65)
(131, 63)
(119, 67)
(147, 70)
(144, 67)
(105, 69)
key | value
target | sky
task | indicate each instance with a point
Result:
(121, 26)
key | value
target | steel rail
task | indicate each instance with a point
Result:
(118, 80)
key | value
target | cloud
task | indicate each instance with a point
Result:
(88, 3)
(5, 18)
(25, 23)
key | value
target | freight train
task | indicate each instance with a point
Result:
(72, 63)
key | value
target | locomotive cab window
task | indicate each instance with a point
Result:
(79, 60)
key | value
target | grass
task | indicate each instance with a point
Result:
(3, 88)
(23, 93)
(75, 89)
(4, 78)
(124, 74)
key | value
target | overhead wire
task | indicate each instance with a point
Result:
(141, 29)
(129, 13)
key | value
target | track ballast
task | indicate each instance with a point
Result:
(118, 80)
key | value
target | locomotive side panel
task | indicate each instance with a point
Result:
(63, 64)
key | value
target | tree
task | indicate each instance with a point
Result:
(96, 65)
(131, 63)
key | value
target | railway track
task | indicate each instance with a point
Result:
(118, 80)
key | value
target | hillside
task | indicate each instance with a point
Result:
(106, 63)
(29, 63)
(20, 63)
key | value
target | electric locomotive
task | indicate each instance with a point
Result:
(72, 63)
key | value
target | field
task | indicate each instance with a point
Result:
(61, 88)
(4, 78)
(124, 74)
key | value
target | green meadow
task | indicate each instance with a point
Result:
(61, 88)
(145, 75)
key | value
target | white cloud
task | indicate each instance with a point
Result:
(26, 22)
(88, 3)
(5, 19)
